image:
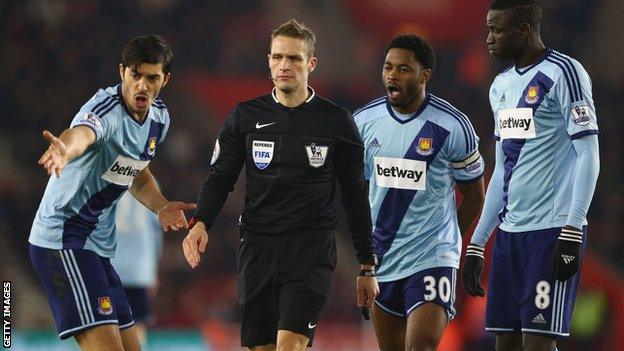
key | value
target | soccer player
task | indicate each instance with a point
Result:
(546, 169)
(105, 152)
(418, 148)
(136, 261)
(295, 146)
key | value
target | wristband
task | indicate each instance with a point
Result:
(367, 273)
(474, 250)
(573, 235)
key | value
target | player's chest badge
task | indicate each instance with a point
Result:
(317, 154)
(532, 95)
(151, 146)
(262, 152)
(425, 146)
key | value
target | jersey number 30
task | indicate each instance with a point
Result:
(444, 288)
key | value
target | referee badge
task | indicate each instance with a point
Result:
(262, 152)
(316, 154)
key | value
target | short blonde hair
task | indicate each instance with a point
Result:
(297, 30)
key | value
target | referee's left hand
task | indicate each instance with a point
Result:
(367, 291)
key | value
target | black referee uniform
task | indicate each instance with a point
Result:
(286, 256)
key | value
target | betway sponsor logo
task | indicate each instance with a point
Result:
(400, 173)
(516, 123)
(123, 170)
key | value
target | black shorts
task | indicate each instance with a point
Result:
(283, 283)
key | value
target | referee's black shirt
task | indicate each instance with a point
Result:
(293, 158)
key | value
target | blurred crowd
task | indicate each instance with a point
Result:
(57, 53)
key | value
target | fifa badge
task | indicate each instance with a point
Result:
(262, 152)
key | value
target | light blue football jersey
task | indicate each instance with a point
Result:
(538, 111)
(140, 237)
(412, 164)
(77, 210)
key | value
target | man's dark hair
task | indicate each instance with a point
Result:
(423, 52)
(297, 30)
(522, 11)
(152, 49)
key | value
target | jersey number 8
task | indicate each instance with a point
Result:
(542, 299)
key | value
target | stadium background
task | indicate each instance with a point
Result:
(56, 53)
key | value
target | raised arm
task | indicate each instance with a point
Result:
(170, 213)
(72, 143)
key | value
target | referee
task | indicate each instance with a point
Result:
(294, 145)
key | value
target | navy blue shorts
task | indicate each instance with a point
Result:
(139, 301)
(437, 285)
(523, 294)
(83, 289)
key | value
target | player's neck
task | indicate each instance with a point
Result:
(139, 117)
(414, 106)
(293, 99)
(531, 55)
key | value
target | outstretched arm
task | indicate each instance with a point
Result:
(170, 214)
(227, 161)
(70, 144)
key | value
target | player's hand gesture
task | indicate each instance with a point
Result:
(195, 244)
(367, 291)
(54, 159)
(172, 215)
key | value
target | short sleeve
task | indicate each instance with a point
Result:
(466, 161)
(92, 114)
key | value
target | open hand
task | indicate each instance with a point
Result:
(54, 159)
(195, 244)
